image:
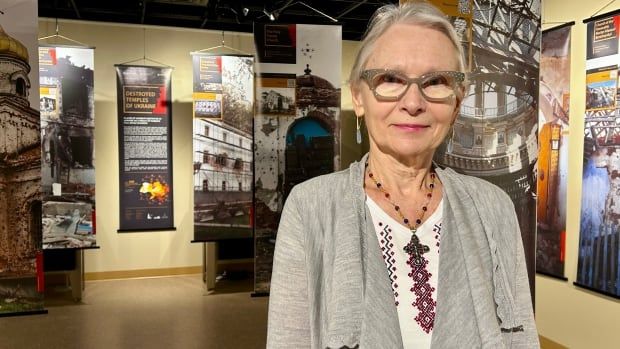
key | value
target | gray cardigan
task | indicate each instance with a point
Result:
(330, 287)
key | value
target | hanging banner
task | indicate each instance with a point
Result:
(145, 148)
(223, 146)
(21, 268)
(67, 104)
(553, 120)
(297, 126)
(598, 267)
(495, 134)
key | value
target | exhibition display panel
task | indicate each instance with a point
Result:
(297, 126)
(495, 134)
(21, 268)
(599, 239)
(223, 140)
(67, 104)
(553, 133)
(145, 148)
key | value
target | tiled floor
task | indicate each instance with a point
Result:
(170, 312)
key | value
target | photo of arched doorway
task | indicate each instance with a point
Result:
(309, 150)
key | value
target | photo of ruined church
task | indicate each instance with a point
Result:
(495, 133)
(20, 179)
(67, 137)
(68, 122)
(291, 149)
(67, 225)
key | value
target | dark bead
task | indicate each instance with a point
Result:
(406, 220)
(424, 208)
(387, 195)
(432, 185)
(429, 195)
(418, 221)
(397, 208)
(378, 185)
(370, 174)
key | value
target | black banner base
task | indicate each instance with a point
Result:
(218, 233)
(145, 230)
(259, 294)
(73, 248)
(563, 278)
(25, 313)
(589, 288)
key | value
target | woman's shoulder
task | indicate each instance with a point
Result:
(324, 184)
(475, 187)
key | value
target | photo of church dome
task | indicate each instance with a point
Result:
(20, 178)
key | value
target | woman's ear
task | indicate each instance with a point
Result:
(356, 96)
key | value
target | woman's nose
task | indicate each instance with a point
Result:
(413, 102)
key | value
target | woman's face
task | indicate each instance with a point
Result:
(411, 126)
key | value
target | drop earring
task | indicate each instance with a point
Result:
(449, 147)
(358, 134)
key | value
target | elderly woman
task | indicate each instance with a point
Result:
(396, 252)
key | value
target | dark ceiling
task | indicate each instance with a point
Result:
(231, 15)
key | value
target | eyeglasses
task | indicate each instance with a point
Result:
(390, 85)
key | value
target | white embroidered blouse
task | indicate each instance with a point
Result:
(415, 287)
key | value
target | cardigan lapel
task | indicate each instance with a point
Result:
(465, 275)
(380, 326)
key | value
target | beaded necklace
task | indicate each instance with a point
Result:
(414, 248)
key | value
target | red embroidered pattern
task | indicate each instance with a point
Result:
(424, 294)
(437, 231)
(388, 258)
(424, 302)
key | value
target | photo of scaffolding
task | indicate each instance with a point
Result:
(223, 155)
(495, 133)
(598, 267)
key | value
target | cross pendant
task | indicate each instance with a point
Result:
(415, 249)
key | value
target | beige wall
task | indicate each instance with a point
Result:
(119, 43)
(564, 313)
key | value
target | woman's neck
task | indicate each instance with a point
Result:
(400, 176)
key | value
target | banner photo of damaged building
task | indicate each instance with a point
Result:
(67, 104)
(495, 133)
(297, 126)
(598, 267)
(21, 267)
(553, 121)
(145, 148)
(223, 146)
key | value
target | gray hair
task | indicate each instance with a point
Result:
(419, 13)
